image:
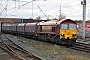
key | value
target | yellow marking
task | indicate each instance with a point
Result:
(68, 33)
(46, 27)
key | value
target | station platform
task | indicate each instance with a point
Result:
(86, 41)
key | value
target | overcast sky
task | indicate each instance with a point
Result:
(50, 8)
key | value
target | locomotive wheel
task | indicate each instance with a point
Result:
(42, 37)
(45, 38)
(56, 39)
(52, 40)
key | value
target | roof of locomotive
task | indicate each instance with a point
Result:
(54, 22)
(65, 20)
(47, 23)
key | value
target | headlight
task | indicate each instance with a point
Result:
(62, 34)
(74, 34)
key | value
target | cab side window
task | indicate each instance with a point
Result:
(40, 28)
(53, 29)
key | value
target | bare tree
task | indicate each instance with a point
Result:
(38, 18)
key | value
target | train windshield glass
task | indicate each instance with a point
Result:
(72, 26)
(64, 26)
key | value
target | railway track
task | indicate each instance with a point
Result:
(16, 50)
(81, 47)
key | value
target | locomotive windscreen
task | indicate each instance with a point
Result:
(72, 26)
(68, 26)
(64, 26)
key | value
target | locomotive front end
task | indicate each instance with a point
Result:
(68, 32)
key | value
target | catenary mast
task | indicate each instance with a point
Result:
(84, 17)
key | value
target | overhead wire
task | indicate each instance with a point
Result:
(4, 8)
(17, 8)
(42, 12)
(20, 7)
(10, 6)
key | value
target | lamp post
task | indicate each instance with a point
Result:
(84, 17)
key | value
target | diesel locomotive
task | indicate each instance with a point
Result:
(55, 31)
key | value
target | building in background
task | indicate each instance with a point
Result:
(18, 20)
(10, 20)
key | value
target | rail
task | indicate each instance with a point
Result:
(19, 48)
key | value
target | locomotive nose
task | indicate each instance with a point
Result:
(70, 35)
(67, 36)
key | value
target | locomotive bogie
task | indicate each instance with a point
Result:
(48, 38)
